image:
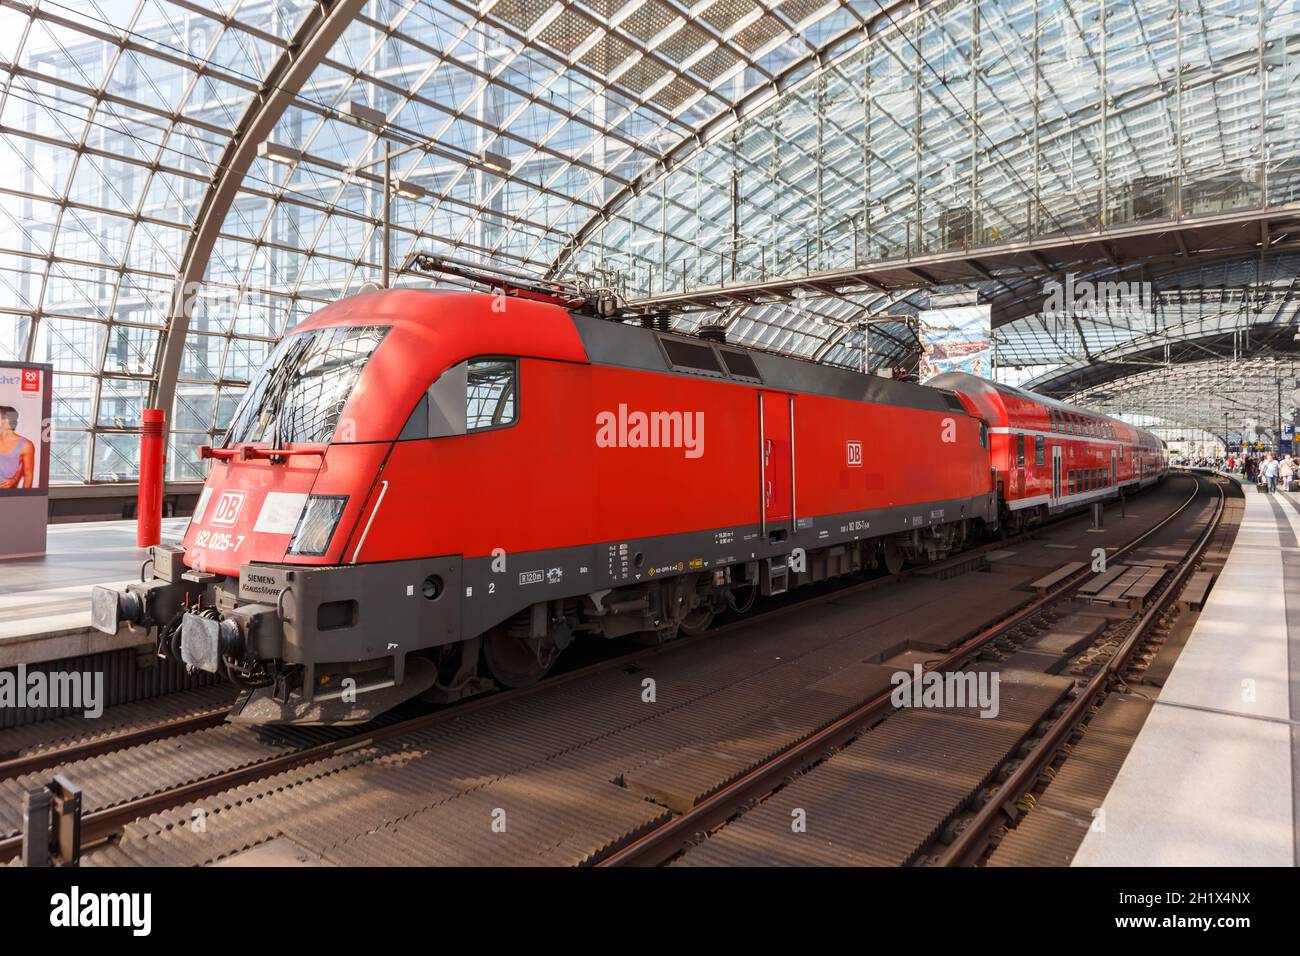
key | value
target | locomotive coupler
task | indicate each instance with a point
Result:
(246, 633)
(145, 603)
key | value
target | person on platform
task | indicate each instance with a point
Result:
(1286, 472)
(17, 454)
(1269, 472)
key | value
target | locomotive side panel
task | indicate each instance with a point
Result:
(523, 486)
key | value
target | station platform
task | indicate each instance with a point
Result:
(1212, 779)
(45, 602)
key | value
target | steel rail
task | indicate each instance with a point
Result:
(667, 840)
(172, 727)
(970, 841)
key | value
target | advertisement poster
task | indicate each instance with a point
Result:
(24, 438)
(26, 395)
(956, 339)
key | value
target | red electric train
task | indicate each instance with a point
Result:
(1050, 456)
(426, 492)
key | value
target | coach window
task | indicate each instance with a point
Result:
(984, 434)
(1020, 451)
(490, 390)
(1040, 450)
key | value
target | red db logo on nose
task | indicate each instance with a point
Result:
(854, 454)
(228, 505)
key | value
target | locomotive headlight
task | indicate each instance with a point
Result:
(320, 516)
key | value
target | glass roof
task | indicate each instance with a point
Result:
(1258, 301)
(117, 115)
(1234, 400)
(629, 136)
(977, 122)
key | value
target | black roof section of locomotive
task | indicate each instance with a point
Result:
(637, 347)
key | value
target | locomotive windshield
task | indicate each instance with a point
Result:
(300, 393)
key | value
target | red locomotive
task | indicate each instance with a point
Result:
(428, 491)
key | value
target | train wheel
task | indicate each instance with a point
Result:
(893, 556)
(698, 621)
(515, 661)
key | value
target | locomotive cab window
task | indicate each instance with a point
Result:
(471, 396)
(300, 394)
(490, 390)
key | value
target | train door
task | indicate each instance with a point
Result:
(776, 437)
(1114, 468)
(1056, 473)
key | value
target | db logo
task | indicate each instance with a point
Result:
(228, 505)
(853, 454)
(31, 380)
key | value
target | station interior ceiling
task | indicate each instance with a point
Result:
(182, 182)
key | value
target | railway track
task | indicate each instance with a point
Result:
(179, 759)
(34, 746)
(969, 840)
(104, 822)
